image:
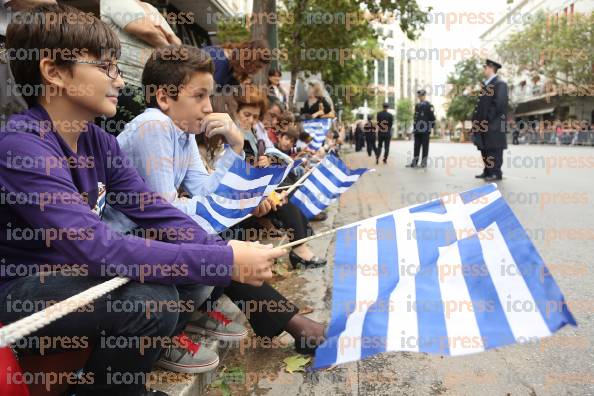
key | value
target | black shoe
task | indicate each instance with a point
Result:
(413, 165)
(299, 263)
(481, 176)
(322, 216)
(385, 160)
(491, 178)
(376, 160)
(307, 347)
(423, 165)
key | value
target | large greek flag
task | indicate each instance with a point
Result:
(324, 185)
(453, 276)
(317, 129)
(240, 191)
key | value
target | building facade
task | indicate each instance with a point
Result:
(405, 69)
(531, 96)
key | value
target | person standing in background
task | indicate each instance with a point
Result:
(10, 100)
(384, 125)
(370, 132)
(275, 91)
(140, 28)
(423, 124)
(489, 122)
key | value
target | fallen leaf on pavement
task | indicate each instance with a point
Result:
(296, 363)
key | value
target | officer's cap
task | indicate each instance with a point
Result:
(493, 64)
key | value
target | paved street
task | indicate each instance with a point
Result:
(553, 203)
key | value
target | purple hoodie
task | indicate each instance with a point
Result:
(50, 206)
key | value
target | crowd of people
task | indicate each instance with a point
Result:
(136, 113)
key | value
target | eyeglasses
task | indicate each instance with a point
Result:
(111, 69)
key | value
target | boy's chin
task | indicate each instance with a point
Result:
(109, 110)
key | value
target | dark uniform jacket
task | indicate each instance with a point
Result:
(384, 122)
(424, 117)
(490, 116)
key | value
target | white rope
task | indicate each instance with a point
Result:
(15, 331)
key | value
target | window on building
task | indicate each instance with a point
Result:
(391, 81)
(392, 101)
(381, 78)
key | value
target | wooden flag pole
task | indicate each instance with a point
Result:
(325, 233)
(309, 238)
(302, 178)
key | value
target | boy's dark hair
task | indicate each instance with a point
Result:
(59, 32)
(171, 67)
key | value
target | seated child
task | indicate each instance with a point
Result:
(161, 144)
(60, 169)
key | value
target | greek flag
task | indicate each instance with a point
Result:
(324, 185)
(453, 276)
(317, 129)
(240, 191)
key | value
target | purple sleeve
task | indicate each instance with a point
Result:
(53, 203)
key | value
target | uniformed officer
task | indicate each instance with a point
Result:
(369, 129)
(489, 122)
(423, 123)
(384, 134)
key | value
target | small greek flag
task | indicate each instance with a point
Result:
(240, 191)
(324, 185)
(453, 276)
(317, 129)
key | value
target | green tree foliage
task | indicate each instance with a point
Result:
(335, 38)
(560, 49)
(404, 114)
(464, 88)
(232, 30)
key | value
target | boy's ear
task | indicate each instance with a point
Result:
(162, 99)
(50, 73)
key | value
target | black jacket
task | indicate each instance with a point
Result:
(384, 122)
(424, 117)
(489, 120)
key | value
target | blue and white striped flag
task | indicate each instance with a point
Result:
(240, 191)
(453, 276)
(324, 185)
(317, 129)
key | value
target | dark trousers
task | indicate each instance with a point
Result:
(493, 160)
(515, 138)
(359, 141)
(112, 324)
(383, 139)
(266, 309)
(421, 140)
(370, 142)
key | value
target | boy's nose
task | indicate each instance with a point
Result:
(119, 82)
(208, 107)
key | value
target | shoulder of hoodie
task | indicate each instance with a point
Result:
(31, 132)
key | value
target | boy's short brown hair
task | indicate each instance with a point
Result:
(57, 31)
(170, 67)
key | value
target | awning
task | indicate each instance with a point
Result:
(546, 110)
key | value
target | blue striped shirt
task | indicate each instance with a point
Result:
(168, 159)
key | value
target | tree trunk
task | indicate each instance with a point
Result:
(259, 30)
(298, 16)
